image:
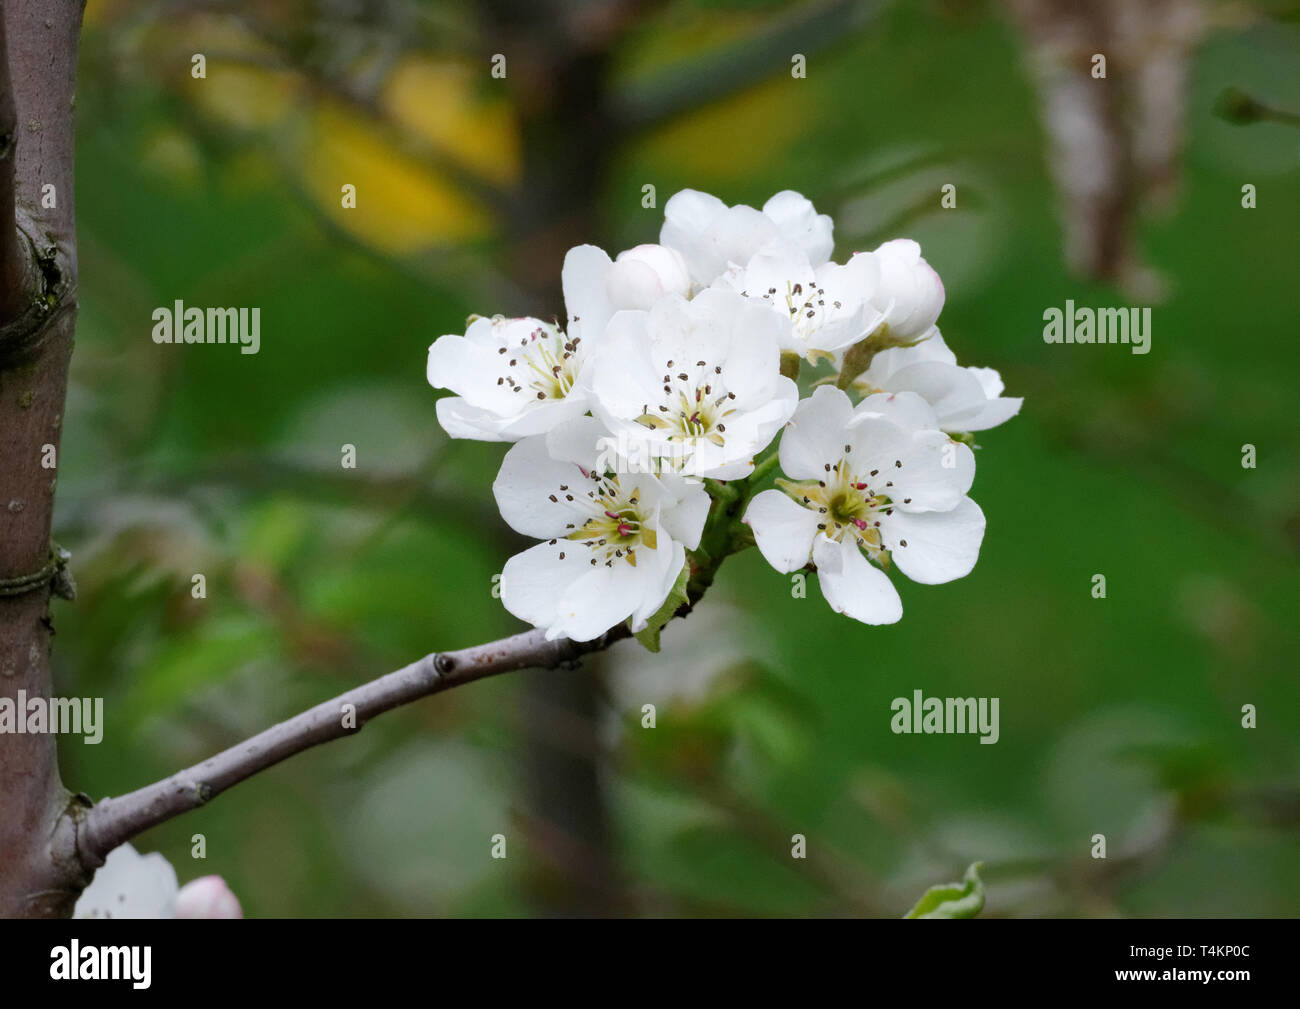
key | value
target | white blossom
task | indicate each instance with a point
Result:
(964, 399)
(642, 275)
(668, 372)
(615, 542)
(207, 897)
(828, 308)
(873, 482)
(910, 292)
(519, 377)
(131, 885)
(698, 382)
(712, 236)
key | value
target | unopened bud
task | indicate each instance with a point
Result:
(207, 897)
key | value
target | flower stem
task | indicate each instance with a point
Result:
(763, 469)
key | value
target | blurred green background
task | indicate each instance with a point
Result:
(1119, 716)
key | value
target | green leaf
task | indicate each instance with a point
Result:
(952, 900)
(676, 597)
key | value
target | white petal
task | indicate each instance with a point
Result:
(541, 417)
(814, 436)
(737, 469)
(633, 284)
(666, 562)
(953, 392)
(460, 420)
(623, 372)
(529, 478)
(609, 595)
(780, 267)
(585, 297)
(718, 462)
(990, 380)
(642, 275)
(835, 333)
(207, 897)
(940, 546)
(800, 223)
(487, 331)
(931, 348)
(685, 519)
(751, 364)
(772, 278)
(581, 441)
(852, 585)
(470, 370)
(687, 214)
(734, 238)
(911, 285)
(919, 470)
(749, 433)
(994, 412)
(129, 885)
(906, 409)
(857, 279)
(704, 328)
(848, 314)
(877, 442)
(719, 340)
(783, 530)
(534, 582)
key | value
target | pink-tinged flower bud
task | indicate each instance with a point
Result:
(644, 274)
(910, 292)
(207, 897)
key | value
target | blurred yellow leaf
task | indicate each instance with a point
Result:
(687, 33)
(440, 103)
(401, 205)
(173, 155)
(245, 96)
(726, 139)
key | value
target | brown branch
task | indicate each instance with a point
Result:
(15, 268)
(86, 832)
(1241, 109)
(87, 835)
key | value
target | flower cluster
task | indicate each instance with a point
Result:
(676, 369)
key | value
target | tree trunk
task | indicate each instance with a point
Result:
(38, 301)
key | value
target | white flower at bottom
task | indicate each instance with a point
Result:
(869, 480)
(131, 885)
(964, 399)
(207, 897)
(615, 542)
